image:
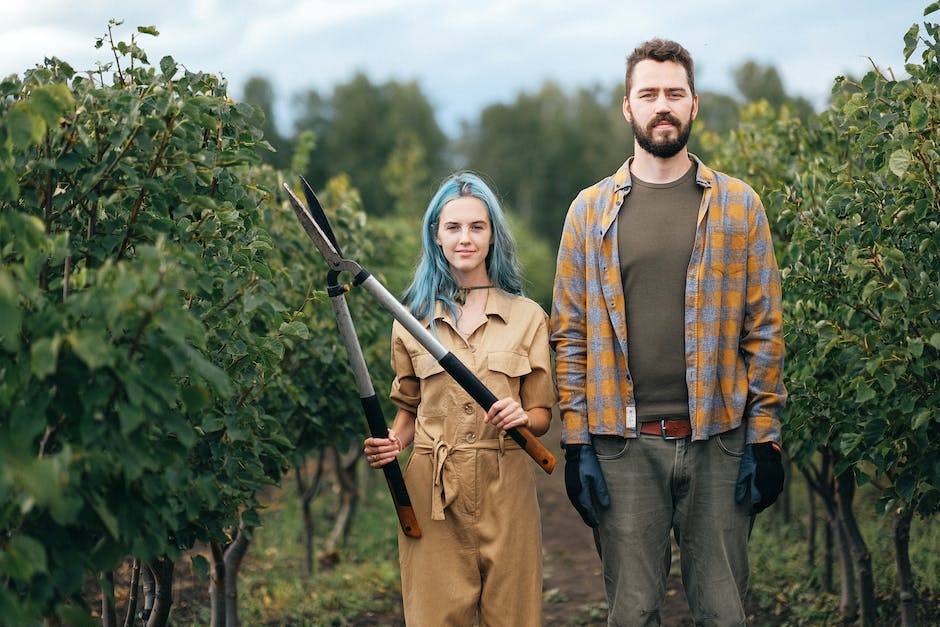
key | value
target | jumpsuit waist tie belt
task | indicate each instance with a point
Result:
(444, 489)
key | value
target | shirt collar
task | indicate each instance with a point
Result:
(498, 303)
(704, 175)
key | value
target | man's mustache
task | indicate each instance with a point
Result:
(664, 117)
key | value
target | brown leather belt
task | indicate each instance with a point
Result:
(668, 429)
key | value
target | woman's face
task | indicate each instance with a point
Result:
(464, 234)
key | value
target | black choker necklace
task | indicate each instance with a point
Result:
(462, 292)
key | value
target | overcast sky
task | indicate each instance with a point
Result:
(466, 55)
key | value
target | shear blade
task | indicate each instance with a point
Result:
(313, 230)
(319, 216)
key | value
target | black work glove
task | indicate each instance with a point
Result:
(584, 482)
(761, 470)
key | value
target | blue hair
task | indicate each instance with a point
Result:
(433, 281)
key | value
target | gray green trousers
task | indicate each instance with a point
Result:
(657, 486)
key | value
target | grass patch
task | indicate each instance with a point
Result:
(786, 588)
(364, 578)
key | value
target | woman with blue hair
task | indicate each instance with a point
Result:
(479, 560)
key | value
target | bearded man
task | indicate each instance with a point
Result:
(667, 328)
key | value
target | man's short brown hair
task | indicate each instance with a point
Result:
(660, 50)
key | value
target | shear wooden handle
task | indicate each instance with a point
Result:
(482, 395)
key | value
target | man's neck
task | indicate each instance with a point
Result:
(652, 169)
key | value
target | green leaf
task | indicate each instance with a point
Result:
(919, 117)
(110, 520)
(168, 67)
(148, 30)
(922, 418)
(899, 161)
(887, 381)
(11, 315)
(50, 102)
(24, 126)
(92, 349)
(864, 393)
(211, 424)
(904, 486)
(130, 417)
(910, 40)
(9, 186)
(195, 398)
(175, 424)
(211, 374)
(44, 354)
(849, 442)
(295, 329)
(22, 558)
(868, 135)
(935, 341)
(43, 481)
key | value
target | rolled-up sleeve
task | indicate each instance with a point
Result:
(406, 388)
(538, 386)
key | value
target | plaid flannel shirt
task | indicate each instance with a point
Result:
(733, 316)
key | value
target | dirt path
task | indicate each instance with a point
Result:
(573, 582)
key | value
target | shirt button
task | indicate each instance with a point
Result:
(471, 437)
(468, 408)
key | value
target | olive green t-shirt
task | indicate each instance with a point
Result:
(656, 232)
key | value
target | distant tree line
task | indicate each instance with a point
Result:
(538, 150)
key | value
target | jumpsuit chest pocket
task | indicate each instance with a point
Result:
(434, 385)
(506, 369)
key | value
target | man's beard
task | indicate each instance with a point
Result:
(666, 148)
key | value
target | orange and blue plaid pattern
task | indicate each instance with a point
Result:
(733, 316)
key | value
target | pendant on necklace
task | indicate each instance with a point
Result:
(462, 292)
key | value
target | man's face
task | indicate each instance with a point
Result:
(660, 107)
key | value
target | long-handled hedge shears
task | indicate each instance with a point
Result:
(317, 226)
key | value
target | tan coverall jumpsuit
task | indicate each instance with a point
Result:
(479, 559)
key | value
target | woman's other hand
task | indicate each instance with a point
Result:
(380, 451)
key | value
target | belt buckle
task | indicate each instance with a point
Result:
(662, 429)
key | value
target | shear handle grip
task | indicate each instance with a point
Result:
(482, 395)
(393, 476)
